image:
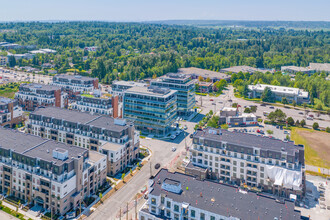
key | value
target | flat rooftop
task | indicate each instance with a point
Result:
(130, 83)
(223, 199)
(75, 77)
(36, 147)
(244, 69)
(281, 89)
(203, 73)
(110, 146)
(81, 118)
(249, 140)
(40, 86)
(96, 156)
(151, 91)
(5, 101)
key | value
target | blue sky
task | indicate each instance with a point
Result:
(144, 10)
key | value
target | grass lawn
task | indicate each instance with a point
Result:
(316, 146)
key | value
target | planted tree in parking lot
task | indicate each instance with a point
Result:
(277, 116)
(290, 121)
(315, 125)
(270, 132)
(247, 110)
(234, 105)
(253, 108)
(297, 123)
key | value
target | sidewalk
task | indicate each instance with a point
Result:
(27, 215)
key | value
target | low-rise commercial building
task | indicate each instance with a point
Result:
(52, 175)
(153, 109)
(32, 95)
(245, 69)
(179, 196)
(195, 73)
(251, 161)
(204, 87)
(244, 119)
(312, 68)
(75, 84)
(93, 132)
(97, 105)
(185, 88)
(278, 92)
(10, 113)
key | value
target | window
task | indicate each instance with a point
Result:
(242, 164)
(192, 213)
(261, 175)
(168, 204)
(234, 162)
(176, 208)
(153, 201)
(262, 169)
(212, 218)
(153, 209)
(168, 213)
(202, 216)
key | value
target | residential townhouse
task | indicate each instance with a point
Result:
(30, 96)
(52, 175)
(153, 109)
(180, 196)
(256, 162)
(93, 132)
(10, 113)
(185, 87)
(75, 84)
(97, 105)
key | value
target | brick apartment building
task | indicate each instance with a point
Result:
(30, 96)
(116, 138)
(52, 175)
(10, 113)
(251, 161)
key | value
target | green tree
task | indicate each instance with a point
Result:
(234, 105)
(267, 95)
(284, 101)
(247, 110)
(123, 177)
(11, 61)
(269, 132)
(319, 107)
(303, 123)
(294, 103)
(327, 129)
(315, 125)
(290, 121)
(253, 108)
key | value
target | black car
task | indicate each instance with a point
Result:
(157, 166)
(191, 135)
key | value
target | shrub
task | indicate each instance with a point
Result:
(327, 129)
(315, 125)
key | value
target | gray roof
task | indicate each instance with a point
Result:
(40, 86)
(36, 147)
(244, 69)
(65, 114)
(203, 73)
(129, 83)
(5, 101)
(151, 91)
(249, 140)
(76, 77)
(224, 199)
(80, 117)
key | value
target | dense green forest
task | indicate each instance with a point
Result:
(131, 51)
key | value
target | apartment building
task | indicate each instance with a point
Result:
(291, 94)
(251, 161)
(52, 175)
(75, 84)
(30, 96)
(93, 132)
(185, 88)
(97, 105)
(119, 87)
(180, 196)
(10, 113)
(153, 109)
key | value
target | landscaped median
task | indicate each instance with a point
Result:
(12, 212)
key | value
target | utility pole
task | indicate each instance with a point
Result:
(120, 213)
(127, 211)
(150, 170)
(135, 207)
(201, 101)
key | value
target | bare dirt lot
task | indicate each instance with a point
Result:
(317, 145)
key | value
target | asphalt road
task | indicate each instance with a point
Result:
(161, 153)
(23, 76)
(223, 100)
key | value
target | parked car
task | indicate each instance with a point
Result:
(300, 113)
(271, 107)
(191, 135)
(309, 118)
(185, 127)
(173, 149)
(263, 104)
(157, 166)
(211, 100)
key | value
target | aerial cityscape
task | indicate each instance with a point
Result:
(150, 110)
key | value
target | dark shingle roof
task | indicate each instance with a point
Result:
(36, 147)
(223, 199)
(250, 140)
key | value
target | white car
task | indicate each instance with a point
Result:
(309, 118)
(173, 149)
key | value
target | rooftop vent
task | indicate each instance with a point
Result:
(60, 154)
(121, 122)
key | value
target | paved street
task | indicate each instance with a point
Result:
(17, 76)
(162, 153)
(223, 100)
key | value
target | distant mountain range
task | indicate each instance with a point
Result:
(247, 24)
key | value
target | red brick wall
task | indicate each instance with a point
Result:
(96, 83)
(114, 102)
(57, 94)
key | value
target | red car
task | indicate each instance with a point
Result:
(211, 100)
(258, 131)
